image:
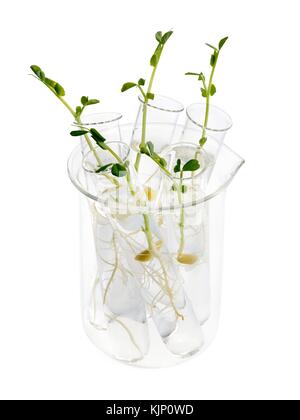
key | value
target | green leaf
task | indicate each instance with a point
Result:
(213, 59)
(204, 93)
(78, 111)
(84, 100)
(223, 42)
(166, 37)
(92, 102)
(78, 133)
(191, 166)
(213, 90)
(177, 167)
(36, 70)
(59, 90)
(128, 86)
(203, 141)
(103, 168)
(150, 96)
(119, 170)
(150, 146)
(144, 150)
(158, 36)
(192, 74)
(154, 60)
(202, 77)
(211, 46)
(142, 82)
(99, 139)
(162, 162)
(50, 83)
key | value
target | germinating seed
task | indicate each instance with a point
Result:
(187, 259)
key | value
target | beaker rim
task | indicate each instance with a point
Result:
(76, 173)
(99, 118)
(172, 105)
(227, 126)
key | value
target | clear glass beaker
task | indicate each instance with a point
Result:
(149, 305)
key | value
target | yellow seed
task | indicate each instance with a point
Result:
(187, 259)
(144, 256)
(150, 193)
(147, 255)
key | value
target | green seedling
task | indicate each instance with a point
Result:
(208, 90)
(148, 94)
(59, 92)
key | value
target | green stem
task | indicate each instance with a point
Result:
(114, 154)
(65, 103)
(144, 134)
(119, 160)
(144, 121)
(182, 216)
(208, 90)
(86, 137)
(162, 168)
(90, 144)
(79, 122)
(138, 161)
(147, 231)
(77, 119)
(93, 150)
(153, 77)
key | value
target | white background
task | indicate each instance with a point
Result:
(92, 47)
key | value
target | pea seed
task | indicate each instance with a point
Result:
(144, 256)
(187, 259)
